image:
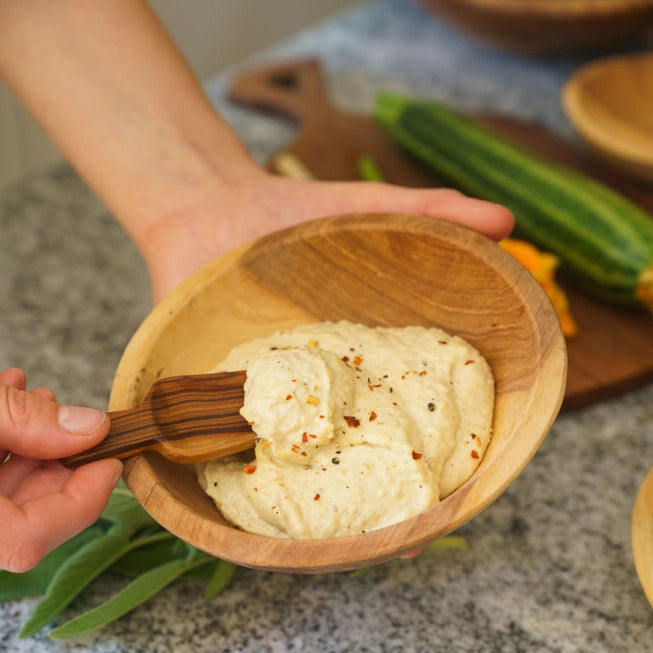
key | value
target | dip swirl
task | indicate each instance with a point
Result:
(358, 428)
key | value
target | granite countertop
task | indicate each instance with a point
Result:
(548, 566)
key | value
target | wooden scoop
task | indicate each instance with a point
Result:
(187, 419)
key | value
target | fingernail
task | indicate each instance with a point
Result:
(78, 420)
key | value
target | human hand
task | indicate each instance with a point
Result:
(259, 203)
(42, 503)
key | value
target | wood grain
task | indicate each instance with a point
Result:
(609, 101)
(380, 270)
(188, 419)
(614, 350)
(548, 26)
(642, 535)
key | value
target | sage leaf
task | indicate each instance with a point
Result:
(222, 575)
(125, 511)
(36, 581)
(449, 542)
(74, 575)
(138, 591)
(144, 558)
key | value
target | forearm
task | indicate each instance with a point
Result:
(111, 89)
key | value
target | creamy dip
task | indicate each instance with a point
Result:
(358, 428)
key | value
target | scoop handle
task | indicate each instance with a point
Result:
(132, 432)
(187, 419)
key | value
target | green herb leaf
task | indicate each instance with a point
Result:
(136, 562)
(79, 571)
(222, 575)
(138, 591)
(73, 576)
(361, 571)
(36, 581)
(203, 572)
(448, 542)
(125, 511)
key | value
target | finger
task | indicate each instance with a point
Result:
(40, 525)
(493, 220)
(14, 472)
(28, 479)
(47, 479)
(33, 426)
(13, 377)
(44, 393)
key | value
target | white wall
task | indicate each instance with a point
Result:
(212, 34)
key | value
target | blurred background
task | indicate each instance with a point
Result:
(212, 35)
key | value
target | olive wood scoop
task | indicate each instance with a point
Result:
(187, 419)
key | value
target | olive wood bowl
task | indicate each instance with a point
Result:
(549, 27)
(609, 103)
(376, 269)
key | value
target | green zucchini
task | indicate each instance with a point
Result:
(603, 240)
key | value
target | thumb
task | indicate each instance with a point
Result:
(36, 427)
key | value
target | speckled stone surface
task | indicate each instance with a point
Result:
(548, 566)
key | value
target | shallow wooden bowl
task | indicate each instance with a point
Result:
(548, 26)
(378, 270)
(609, 103)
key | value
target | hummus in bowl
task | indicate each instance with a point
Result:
(358, 428)
(377, 270)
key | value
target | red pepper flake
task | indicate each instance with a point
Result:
(312, 435)
(345, 359)
(423, 373)
(249, 469)
(469, 362)
(372, 416)
(352, 421)
(417, 456)
(357, 360)
(303, 453)
(295, 448)
(443, 342)
(316, 497)
(474, 453)
(371, 386)
(304, 436)
(288, 397)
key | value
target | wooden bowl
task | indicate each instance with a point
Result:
(548, 26)
(609, 103)
(378, 270)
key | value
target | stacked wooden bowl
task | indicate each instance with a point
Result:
(549, 26)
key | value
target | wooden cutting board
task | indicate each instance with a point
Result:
(613, 352)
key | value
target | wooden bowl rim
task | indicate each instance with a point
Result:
(623, 151)
(569, 8)
(316, 555)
